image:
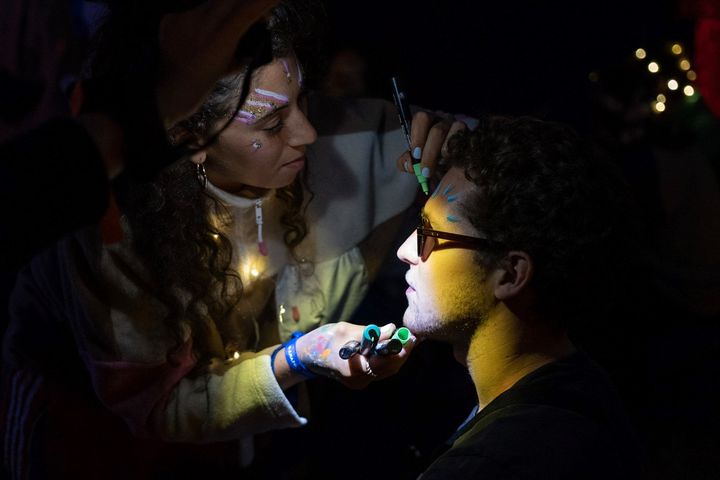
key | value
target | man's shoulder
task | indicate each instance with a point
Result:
(532, 441)
(562, 421)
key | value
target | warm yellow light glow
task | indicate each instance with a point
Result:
(676, 48)
(236, 355)
(684, 64)
(640, 53)
(215, 236)
(254, 272)
(673, 84)
(658, 107)
(661, 98)
(691, 75)
(653, 67)
(688, 90)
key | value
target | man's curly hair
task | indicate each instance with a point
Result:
(544, 190)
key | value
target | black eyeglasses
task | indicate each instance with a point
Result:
(427, 240)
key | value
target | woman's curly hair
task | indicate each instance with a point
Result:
(544, 190)
(187, 257)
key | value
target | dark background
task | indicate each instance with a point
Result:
(567, 61)
(514, 57)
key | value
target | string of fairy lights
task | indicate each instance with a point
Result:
(672, 75)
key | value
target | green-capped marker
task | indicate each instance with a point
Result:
(417, 168)
(402, 334)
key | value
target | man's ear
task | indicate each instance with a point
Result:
(514, 272)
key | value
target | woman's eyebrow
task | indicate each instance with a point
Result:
(251, 114)
(270, 113)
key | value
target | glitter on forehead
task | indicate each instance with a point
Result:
(261, 103)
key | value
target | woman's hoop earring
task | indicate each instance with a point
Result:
(201, 175)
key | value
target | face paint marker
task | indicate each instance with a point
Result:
(391, 346)
(453, 219)
(402, 334)
(371, 335)
(403, 108)
(349, 349)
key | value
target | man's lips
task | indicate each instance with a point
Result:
(410, 286)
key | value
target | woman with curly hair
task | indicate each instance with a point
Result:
(190, 327)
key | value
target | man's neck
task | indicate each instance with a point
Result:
(504, 349)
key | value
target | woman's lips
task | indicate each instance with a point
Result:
(297, 163)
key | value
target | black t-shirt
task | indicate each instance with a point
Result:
(562, 421)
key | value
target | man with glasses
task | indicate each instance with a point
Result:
(517, 246)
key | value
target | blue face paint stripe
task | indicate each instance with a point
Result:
(437, 190)
(452, 198)
(453, 219)
(448, 190)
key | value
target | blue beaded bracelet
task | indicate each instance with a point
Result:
(291, 356)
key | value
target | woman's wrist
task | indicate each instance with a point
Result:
(284, 375)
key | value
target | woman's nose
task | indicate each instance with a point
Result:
(302, 132)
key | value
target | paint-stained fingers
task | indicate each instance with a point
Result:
(457, 126)
(359, 373)
(386, 331)
(386, 366)
(404, 163)
(433, 146)
(422, 122)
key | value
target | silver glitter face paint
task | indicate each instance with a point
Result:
(256, 144)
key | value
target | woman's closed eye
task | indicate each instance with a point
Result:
(276, 128)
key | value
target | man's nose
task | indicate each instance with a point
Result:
(408, 250)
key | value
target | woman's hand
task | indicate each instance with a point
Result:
(318, 350)
(429, 140)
